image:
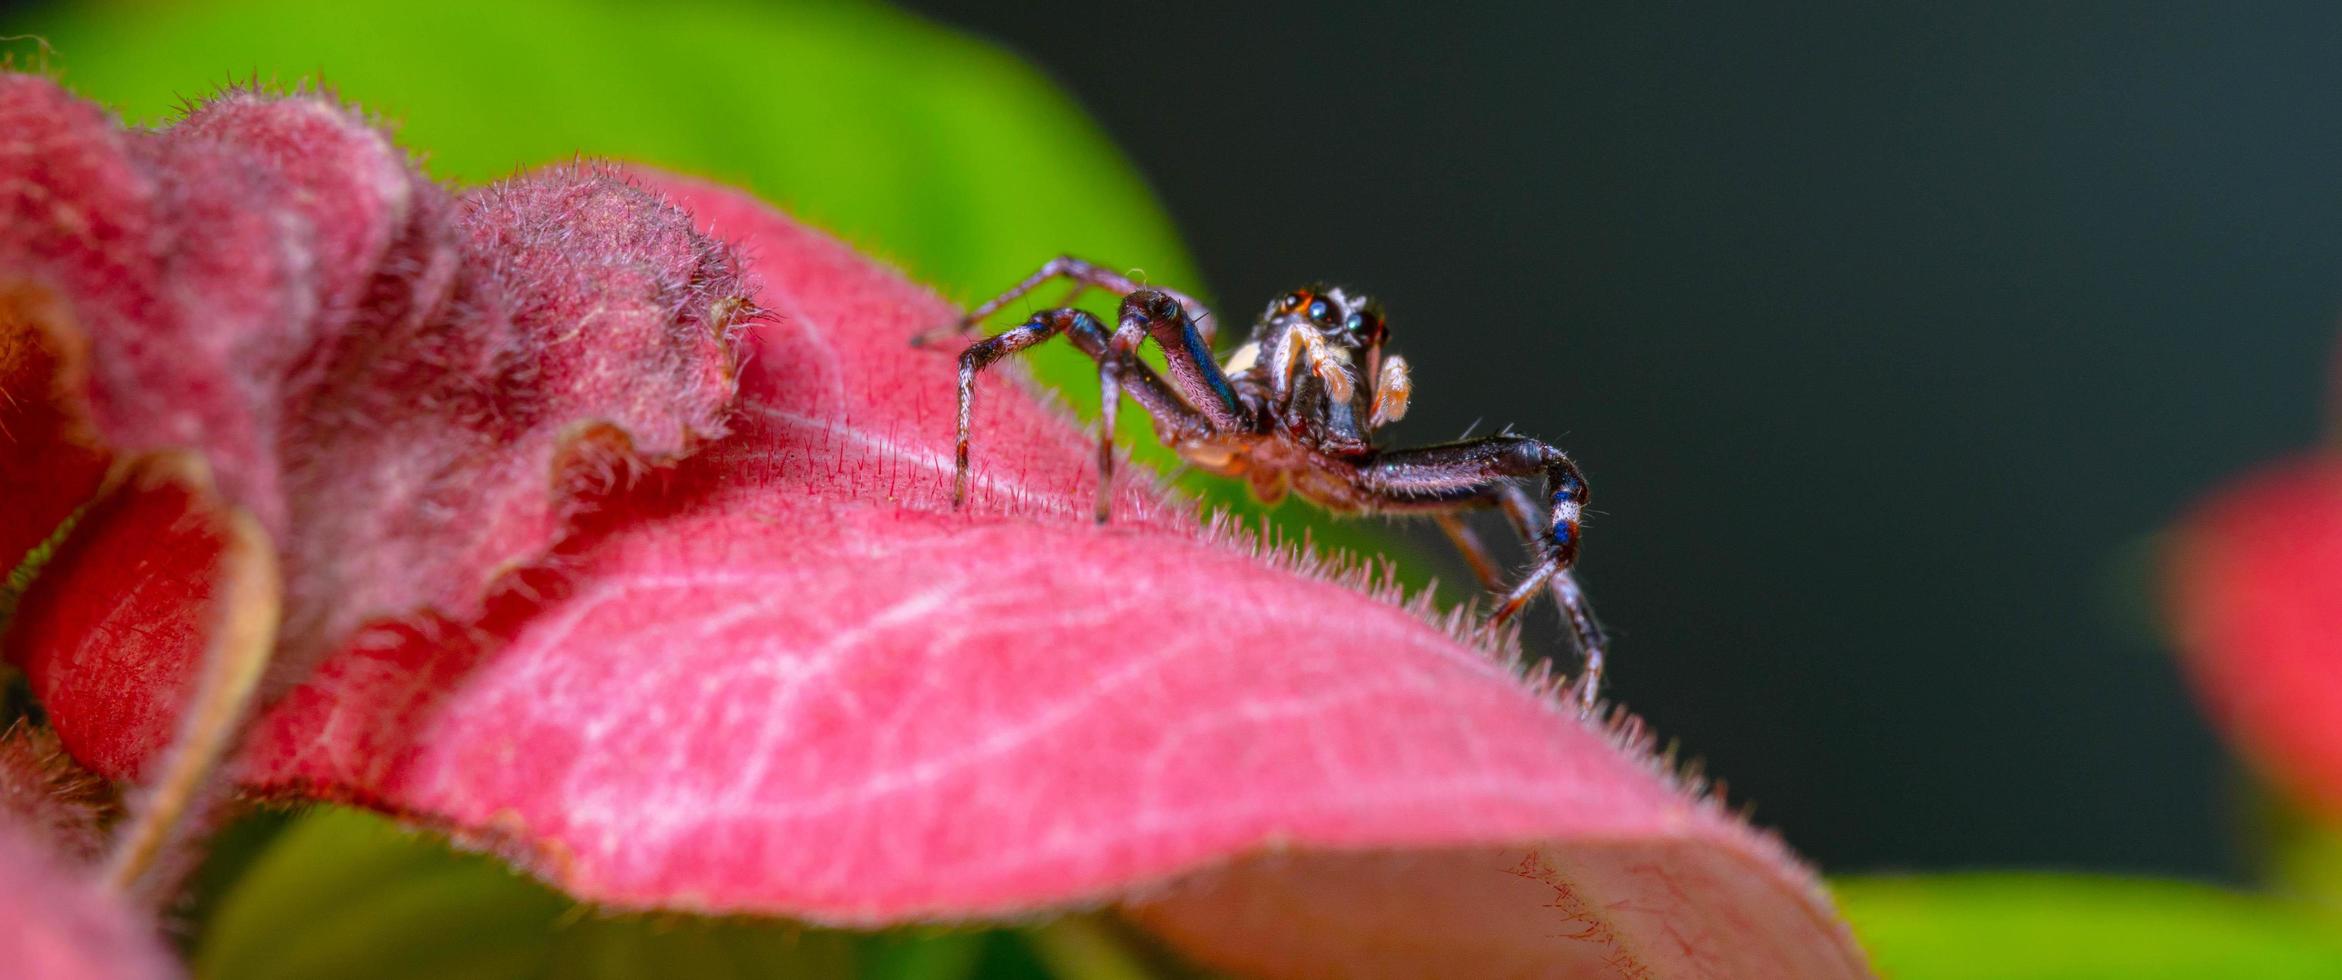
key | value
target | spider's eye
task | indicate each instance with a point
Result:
(1321, 311)
(1364, 326)
(1355, 324)
(1293, 302)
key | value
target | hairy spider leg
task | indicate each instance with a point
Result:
(1484, 472)
(1468, 544)
(1584, 628)
(1086, 276)
(1088, 334)
(1158, 314)
(1203, 388)
(1521, 511)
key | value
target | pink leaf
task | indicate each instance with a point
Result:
(2255, 578)
(784, 677)
(57, 925)
(55, 922)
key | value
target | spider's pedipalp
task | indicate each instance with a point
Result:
(1392, 388)
(1242, 360)
(1303, 347)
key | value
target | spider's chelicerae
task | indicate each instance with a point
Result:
(1296, 408)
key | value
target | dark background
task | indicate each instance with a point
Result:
(1888, 340)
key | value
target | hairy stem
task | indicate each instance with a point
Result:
(250, 603)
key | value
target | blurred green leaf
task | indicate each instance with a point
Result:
(2299, 851)
(347, 894)
(2309, 868)
(2040, 926)
(1082, 948)
(344, 894)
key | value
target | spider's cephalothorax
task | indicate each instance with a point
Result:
(1296, 408)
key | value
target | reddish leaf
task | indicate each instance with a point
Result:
(54, 925)
(409, 392)
(141, 575)
(787, 679)
(49, 461)
(2256, 589)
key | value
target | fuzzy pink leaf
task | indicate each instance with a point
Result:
(785, 678)
(57, 925)
(410, 392)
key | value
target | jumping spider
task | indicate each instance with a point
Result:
(1296, 408)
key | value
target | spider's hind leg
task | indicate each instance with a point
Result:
(1442, 480)
(1555, 573)
(1469, 545)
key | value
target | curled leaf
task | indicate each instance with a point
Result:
(408, 391)
(272, 314)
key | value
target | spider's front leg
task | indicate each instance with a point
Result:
(1116, 375)
(1186, 353)
(1468, 544)
(1485, 472)
(1210, 402)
